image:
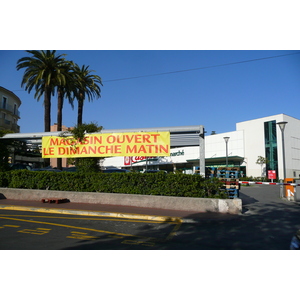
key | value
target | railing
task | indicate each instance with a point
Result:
(10, 108)
(6, 124)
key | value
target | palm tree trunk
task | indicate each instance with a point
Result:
(47, 107)
(47, 116)
(80, 112)
(60, 101)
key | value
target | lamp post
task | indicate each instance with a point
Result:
(282, 126)
(226, 138)
(202, 151)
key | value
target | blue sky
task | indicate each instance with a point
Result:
(215, 96)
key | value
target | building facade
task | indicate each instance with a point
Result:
(187, 151)
(9, 110)
(263, 137)
(251, 139)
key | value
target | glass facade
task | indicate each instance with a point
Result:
(271, 146)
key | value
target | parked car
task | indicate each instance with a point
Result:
(47, 169)
(115, 170)
(20, 167)
(154, 171)
(295, 243)
(70, 169)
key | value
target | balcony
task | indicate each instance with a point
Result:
(10, 108)
(8, 125)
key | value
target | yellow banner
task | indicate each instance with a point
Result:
(108, 144)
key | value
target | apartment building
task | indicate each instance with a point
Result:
(9, 110)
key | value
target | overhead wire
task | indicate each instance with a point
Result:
(199, 68)
(202, 68)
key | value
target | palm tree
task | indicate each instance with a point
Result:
(43, 73)
(87, 86)
(65, 89)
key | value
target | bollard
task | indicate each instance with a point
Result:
(281, 189)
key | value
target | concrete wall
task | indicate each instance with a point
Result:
(231, 206)
(292, 146)
(254, 144)
(215, 145)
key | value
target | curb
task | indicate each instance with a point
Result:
(232, 206)
(97, 214)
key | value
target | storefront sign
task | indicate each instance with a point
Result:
(176, 155)
(108, 144)
(131, 160)
(272, 174)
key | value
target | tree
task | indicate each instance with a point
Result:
(4, 151)
(87, 86)
(86, 164)
(43, 71)
(64, 89)
(261, 161)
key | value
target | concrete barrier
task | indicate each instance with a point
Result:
(231, 206)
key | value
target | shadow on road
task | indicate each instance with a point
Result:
(267, 223)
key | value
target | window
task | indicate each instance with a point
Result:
(4, 102)
(271, 145)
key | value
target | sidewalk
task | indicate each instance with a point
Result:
(113, 211)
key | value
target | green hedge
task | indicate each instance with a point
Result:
(180, 185)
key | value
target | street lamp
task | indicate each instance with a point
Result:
(202, 151)
(282, 126)
(226, 138)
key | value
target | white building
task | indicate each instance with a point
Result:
(262, 137)
(253, 138)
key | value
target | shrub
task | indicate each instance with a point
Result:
(180, 185)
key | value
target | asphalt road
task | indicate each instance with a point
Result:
(44, 231)
(267, 223)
